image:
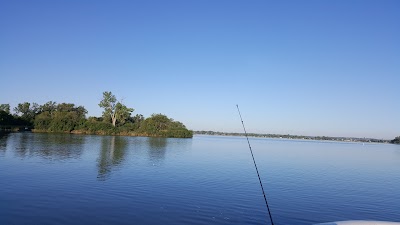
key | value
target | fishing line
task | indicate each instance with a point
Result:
(255, 165)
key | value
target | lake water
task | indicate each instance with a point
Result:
(74, 179)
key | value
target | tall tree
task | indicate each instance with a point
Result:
(109, 103)
(113, 109)
(22, 109)
(27, 111)
(122, 113)
(49, 106)
(5, 108)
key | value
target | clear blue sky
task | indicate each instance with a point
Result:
(299, 67)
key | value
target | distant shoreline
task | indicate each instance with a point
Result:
(296, 137)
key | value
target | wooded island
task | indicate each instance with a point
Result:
(117, 119)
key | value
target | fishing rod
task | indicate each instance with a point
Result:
(255, 165)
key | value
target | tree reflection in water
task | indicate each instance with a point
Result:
(113, 151)
(3, 142)
(157, 149)
(48, 146)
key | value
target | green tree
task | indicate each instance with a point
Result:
(109, 103)
(49, 106)
(60, 118)
(162, 126)
(43, 121)
(70, 107)
(5, 108)
(26, 111)
(22, 109)
(159, 121)
(64, 121)
(113, 109)
(6, 118)
(137, 120)
(122, 113)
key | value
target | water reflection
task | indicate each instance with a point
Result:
(157, 149)
(21, 145)
(3, 142)
(49, 146)
(113, 151)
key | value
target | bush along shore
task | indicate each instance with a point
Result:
(68, 118)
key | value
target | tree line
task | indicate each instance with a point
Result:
(116, 119)
(288, 136)
(396, 140)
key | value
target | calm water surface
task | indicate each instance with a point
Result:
(73, 179)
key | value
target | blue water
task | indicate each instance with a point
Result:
(74, 179)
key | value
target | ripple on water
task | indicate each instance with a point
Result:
(70, 179)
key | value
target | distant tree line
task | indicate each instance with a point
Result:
(396, 140)
(117, 119)
(301, 137)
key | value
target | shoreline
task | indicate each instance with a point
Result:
(295, 137)
(81, 132)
